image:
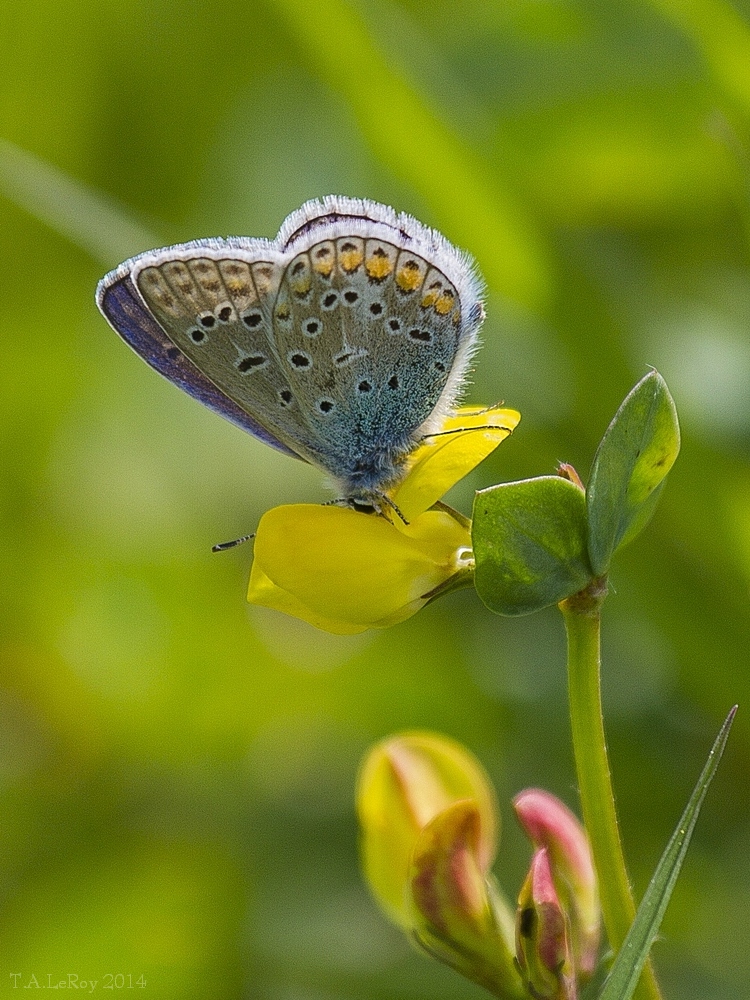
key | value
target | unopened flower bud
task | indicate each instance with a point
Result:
(404, 782)
(429, 832)
(542, 946)
(458, 917)
(550, 824)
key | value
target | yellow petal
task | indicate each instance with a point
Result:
(264, 592)
(346, 571)
(440, 461)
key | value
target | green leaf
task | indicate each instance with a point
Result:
(529, 543)
(631, 958)
(635, 454)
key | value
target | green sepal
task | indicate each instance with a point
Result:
(636, 453)
(529, 541)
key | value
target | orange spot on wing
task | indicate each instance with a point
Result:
(323, 267)
(445, 303)
(378, 265)
(301, 286)
(351, 259)
(409, 277)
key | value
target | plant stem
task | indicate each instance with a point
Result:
(582, 615)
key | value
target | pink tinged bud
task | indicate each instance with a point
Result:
(553, 947)
(447, 876)
(456, 917)
(550, 824)
(567, 471)
(542, 946)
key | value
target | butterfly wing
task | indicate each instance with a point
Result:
(371, 335)
(409, 297)
(199, 314)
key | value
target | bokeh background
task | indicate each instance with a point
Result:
(176, 768)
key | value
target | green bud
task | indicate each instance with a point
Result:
(529, 541)
(637, 451)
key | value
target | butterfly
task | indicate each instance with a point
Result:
(344, 341)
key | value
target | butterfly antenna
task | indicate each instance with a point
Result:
(481, 427)
(461, 430)
(223, 546)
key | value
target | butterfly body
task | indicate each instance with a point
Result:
(343, 341)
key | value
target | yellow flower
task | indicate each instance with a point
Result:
(345, 572)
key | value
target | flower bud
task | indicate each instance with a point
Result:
(457, 915)
(429, 832)
(542, 946)
(551, 825)
(404, 783)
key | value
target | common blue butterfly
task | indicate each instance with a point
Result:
(344, 341)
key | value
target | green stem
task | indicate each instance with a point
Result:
(582, 622)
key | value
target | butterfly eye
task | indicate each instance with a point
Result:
(376, 308)
(208, 320)
(225, 313)
(196, 335)
(351, 297)
(330, 300)
(364, 386)
(312, 327)
(325, 405)
(394, 325)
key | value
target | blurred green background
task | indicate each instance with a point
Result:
(176, 769)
